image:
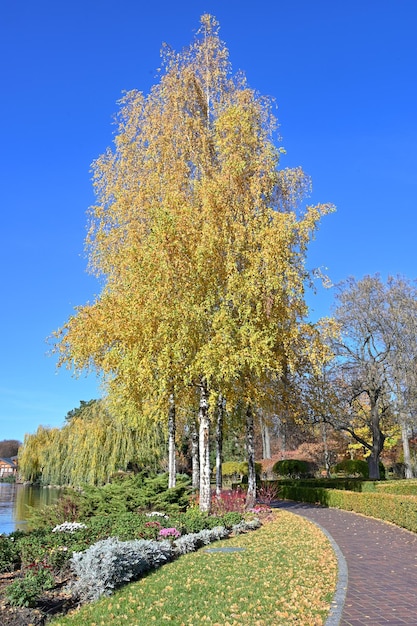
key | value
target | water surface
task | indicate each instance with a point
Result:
(15, 501)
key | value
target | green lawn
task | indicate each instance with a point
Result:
(286, 574)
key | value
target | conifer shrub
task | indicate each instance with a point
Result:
(136, 493)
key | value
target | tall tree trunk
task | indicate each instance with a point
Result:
(219, 444)
(266, 438)
(406, 450)
(204, 420)
(195, 457)
(172, 466)
(377, 441)
(325, 449)
(250, 450)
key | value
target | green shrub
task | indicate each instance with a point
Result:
(53, 550)
(25, 591)
(230, 519)
(136, 492)
(357, 467)
(239, 469)
(9, 554)
(194, 520)
(124, 526)
(352, 467)
(34, 547)
(233, 469)
(294, 468)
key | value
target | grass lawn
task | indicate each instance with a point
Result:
(285, 574)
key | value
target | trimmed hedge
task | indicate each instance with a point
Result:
(400, 487)
(346, 484)
(397, 509)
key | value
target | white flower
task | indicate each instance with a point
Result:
(68, 527)
(157, 514)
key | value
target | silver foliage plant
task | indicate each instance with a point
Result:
(111, 563)
(193, 541)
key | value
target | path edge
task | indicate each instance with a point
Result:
(338, 602)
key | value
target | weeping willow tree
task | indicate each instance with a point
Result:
(201, 244)
(88, 449)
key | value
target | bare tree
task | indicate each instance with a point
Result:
(401, 334)
(374, 370)
(362, 354)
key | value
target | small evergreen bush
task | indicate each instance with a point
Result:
(357, 467)
(136, 493)
(294, 468)
(352, 467)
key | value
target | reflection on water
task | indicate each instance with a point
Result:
(15, 501)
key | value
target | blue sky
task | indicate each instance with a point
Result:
(344, 78)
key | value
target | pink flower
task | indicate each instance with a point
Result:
(166, 533)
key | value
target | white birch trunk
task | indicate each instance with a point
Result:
(204, 419)
(172, 465)
(219, 445)
(195, 457)
(250, 449)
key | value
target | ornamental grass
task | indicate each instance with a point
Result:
(282, 574)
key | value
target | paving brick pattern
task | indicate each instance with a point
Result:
(382, 566)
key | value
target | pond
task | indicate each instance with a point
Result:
(15, 501)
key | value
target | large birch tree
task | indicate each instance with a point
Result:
(201, 242)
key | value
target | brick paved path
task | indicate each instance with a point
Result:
(381, 562)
